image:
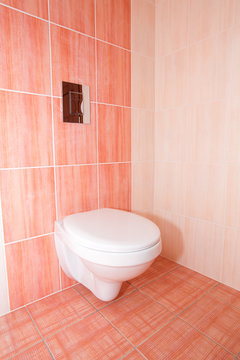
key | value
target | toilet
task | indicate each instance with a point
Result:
(102, 248)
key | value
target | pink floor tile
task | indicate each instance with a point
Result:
(159, 267)
(17, 332)
(227, 294)
(134, 355)
(97, 303)
(59, 310)
(36, 352)
(194, 278)
(180, 341)
(90, 338)
(174, 293)
(218, 320)
(136, 316)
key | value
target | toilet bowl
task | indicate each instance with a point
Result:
(102, 248)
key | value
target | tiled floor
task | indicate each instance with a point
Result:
(170, 312)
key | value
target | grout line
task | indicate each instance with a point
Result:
(39, 333)
(208, 337)
(25, 92)
(25, 349)
(23, 12)
(26, 239)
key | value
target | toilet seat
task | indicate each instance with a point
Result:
(112, 230)
(110, 237)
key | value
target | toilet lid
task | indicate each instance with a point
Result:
(112, 230)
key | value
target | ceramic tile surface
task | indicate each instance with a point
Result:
(139, 324)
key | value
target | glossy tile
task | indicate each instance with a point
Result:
(143, 27)
(76, 189)
(172, 80)
(36, 352)
(172, 25)
(115, 186)
(209, 69)
(17, 332)
(207, 241)
(230, 274)
(113, 22)
(70, 65)
(226, 294)
(90, 338)
(25, 117)
(172, 227)
(142, 81)
(216, 319)
(74, 143)
(159, 267)
(205, 192)
(59, 310)
(97, 303)
(24, 50)
(142, 178)
(136, 316)
(66, 281)
(209, 127)
(233, 201)
(194, 278)
(233, 129)
(74, 14)
(33, 271)
(173, 293)
(178, 340)
(25, 193)
(172, 135)
(209, 17)
(38, 7)
(114, 133)
(134, 355)
(170, 176)
(142, 135)
(113, 75)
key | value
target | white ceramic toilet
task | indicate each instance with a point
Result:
(102, 248)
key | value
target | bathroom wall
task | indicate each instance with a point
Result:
(142, 113)
(197, 134)
(50, 169)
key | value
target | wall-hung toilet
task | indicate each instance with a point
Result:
(102, 248)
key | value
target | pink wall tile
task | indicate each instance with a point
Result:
(143, 27)
(172, 80)
(76, 189)
(33, 271)
(26, 117)
(28, 202)
(233, 199)
(170, 176)
(114, 22)
(236, 59)
(209, 68)
(74, 143)
(142, 79)
(202, 241)
(172, 135)
(230, 270)
(209, 17)
(114, 186)
(24, 50)
(205, 193)
(75, 14)
(209, 124)
(172, 25)
(114, 75)
(36, 7)
(233, 131)
(70, 64)
(65, 280)
(114, 133)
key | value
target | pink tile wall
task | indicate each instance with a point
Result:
(197, 134)
(50, 169)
